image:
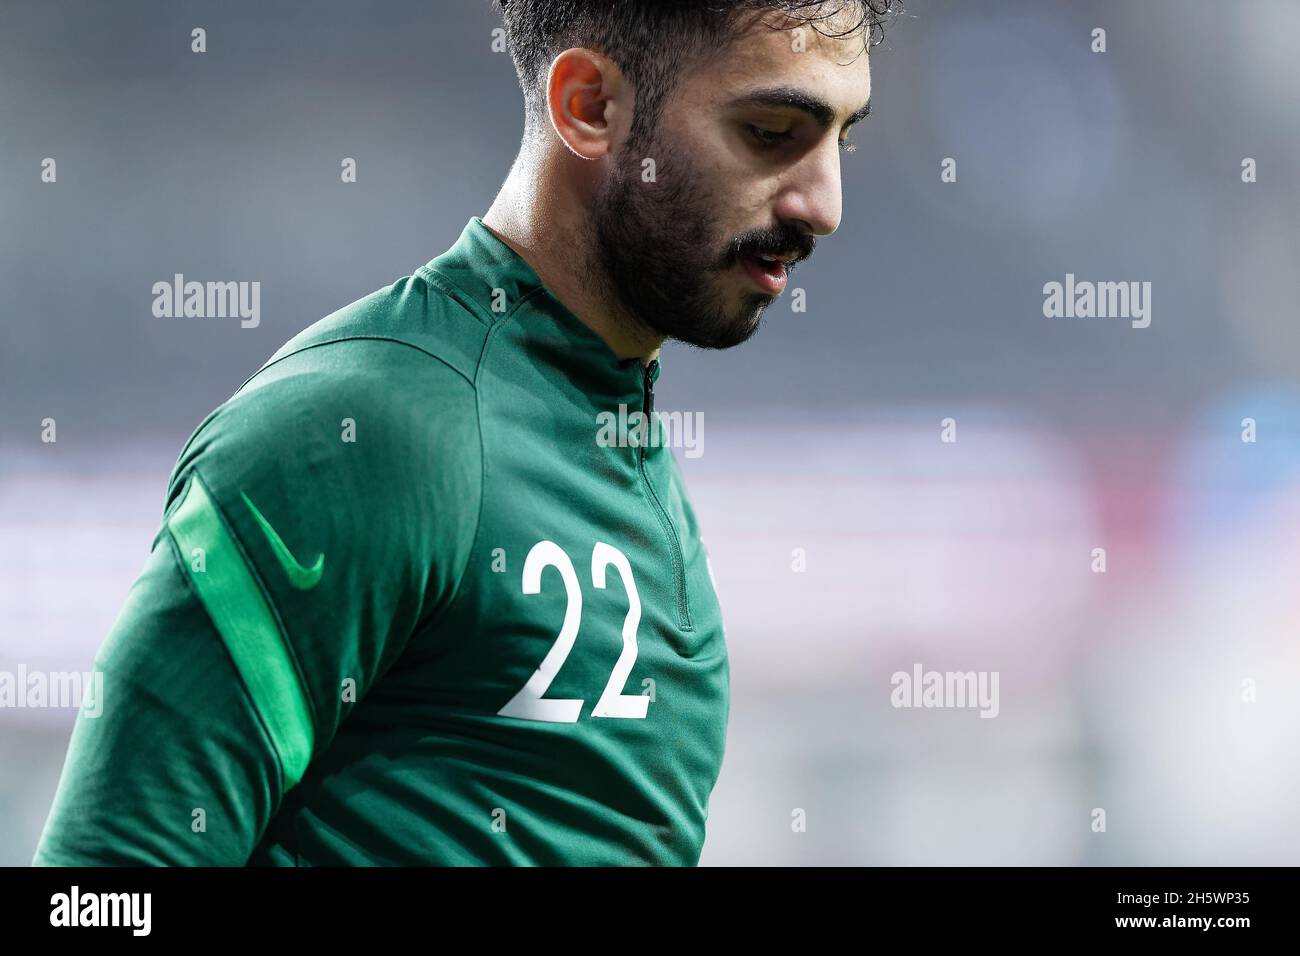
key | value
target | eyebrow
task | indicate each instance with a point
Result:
(822, 113)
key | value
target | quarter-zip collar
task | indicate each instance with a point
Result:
(499, 285)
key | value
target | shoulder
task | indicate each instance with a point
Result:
(375, 401)
(417, 313)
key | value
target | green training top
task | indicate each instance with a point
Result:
(410, 604)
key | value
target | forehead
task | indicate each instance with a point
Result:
(776, 50)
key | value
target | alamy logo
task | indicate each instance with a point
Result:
(1098, 300)
(956, 689)
(23, 688)
(208, 300)
(102, 909)
(635, 429)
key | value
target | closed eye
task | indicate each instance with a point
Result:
(770, 138)
(767, 137)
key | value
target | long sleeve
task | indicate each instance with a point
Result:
(313, 524)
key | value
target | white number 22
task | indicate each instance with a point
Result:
(528, 703)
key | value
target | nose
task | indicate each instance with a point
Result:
(811, 194)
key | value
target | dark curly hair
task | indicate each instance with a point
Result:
(652, 42)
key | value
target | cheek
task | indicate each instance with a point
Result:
(739, 189)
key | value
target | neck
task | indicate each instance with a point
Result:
(541, 215)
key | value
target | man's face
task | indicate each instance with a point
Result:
(745, 165)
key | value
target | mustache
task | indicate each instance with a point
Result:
(783, 240)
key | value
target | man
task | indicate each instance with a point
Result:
(405, 607)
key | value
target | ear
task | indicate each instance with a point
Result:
(589, 103)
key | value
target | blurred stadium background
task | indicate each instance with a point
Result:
(1120, 690)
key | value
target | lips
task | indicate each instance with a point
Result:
(766, 272)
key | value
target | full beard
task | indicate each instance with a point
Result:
(658, 259)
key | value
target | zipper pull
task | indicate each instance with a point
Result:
(648, 407)
(650, 387)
